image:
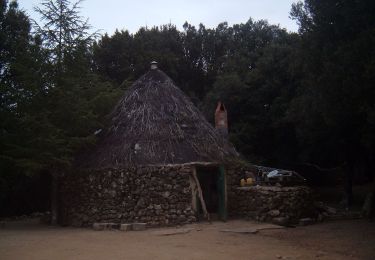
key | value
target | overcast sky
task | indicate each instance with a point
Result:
(108, 15)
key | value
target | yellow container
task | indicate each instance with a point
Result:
(249, 181)
(243, 182)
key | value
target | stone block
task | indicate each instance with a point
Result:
(274, 213)
(98, 226)
(105, 226)
(330, 210)
(113, 226)
(282, 221)
(125, 227)
(139, 226)
(305, 221)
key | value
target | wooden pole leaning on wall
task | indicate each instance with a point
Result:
(200, 194)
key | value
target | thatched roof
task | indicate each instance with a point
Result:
(156, 123)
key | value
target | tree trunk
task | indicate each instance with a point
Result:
(371, 214)
(371, 170)
(368, 209)
(54, 199)
(348, 186)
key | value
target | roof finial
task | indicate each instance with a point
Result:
(154, 65)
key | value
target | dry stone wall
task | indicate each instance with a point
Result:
(267, 203)
(276, 204)
(154, 195)
(233, 176)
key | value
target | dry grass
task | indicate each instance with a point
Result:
(156, 123)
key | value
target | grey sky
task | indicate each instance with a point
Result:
(108, 15)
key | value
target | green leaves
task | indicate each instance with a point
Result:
(51, 101)
(337, 46)
(63, 30)
(290, 97)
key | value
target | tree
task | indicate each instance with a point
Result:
(337, 43)
(21, 62)
(51, 101)
(63, 30)
(73, 89)
(20, 79)
(257, 103)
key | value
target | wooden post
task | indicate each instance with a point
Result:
(223, 194)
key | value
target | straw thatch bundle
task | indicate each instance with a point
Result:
(156, 123)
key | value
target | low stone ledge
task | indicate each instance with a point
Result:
(105, 226)
(125, 227)
(139, 226)
(273, 188)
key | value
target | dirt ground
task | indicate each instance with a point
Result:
(354, 239)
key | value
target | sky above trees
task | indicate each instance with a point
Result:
(131, 15)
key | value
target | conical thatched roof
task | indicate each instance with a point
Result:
(156, 123)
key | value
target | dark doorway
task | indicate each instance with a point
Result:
(212, 182)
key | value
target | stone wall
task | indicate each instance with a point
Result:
(277, 204)
(234, 173)
(154, 195)
(162, 195)
(267, 203)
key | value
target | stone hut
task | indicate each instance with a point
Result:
(159, 162)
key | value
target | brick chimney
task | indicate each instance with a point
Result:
(221, 119)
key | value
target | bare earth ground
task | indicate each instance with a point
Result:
(350, 239)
